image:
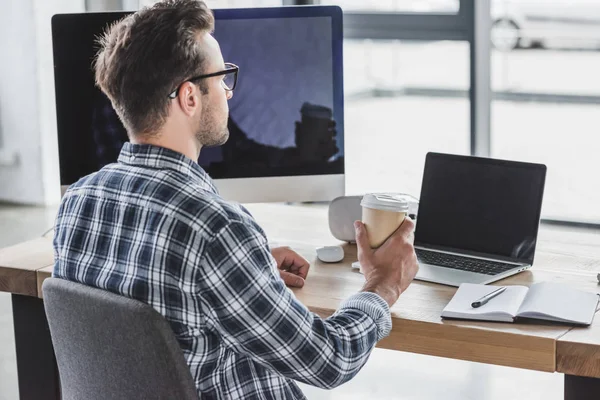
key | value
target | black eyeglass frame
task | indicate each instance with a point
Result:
(230, 69)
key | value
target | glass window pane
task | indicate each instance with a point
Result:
(399, 105)
(420, 6)
(548, 97)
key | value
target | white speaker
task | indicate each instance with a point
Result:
(343, 211)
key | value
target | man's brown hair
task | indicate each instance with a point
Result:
(144, 56)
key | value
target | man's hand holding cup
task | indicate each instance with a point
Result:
(385, 239)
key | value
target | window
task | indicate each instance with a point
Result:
(399, 103)
(399, 106)
(547, 97)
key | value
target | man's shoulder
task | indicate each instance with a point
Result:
(187, 200)
(200, 207)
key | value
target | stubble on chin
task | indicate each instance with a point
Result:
(206, 139)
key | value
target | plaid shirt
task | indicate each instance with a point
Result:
(152, 227)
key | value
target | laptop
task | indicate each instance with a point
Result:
(478, 218)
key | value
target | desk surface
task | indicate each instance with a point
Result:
(417, 326)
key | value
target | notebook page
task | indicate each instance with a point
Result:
(558, 302)
(501, 308)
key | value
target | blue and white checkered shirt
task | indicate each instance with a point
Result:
(152, 227)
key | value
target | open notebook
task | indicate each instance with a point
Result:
(548, 301)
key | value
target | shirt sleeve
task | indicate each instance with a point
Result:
(258, 316)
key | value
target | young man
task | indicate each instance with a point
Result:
(152, 227)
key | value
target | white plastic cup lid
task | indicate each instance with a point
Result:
(387, 202)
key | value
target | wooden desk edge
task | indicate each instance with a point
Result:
(18, 281)
(578, 351)
(581, 359)
(19, 265)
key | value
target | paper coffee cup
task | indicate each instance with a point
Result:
(382, 215)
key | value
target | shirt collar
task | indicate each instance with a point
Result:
(146, 155)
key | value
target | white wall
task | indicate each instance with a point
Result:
(28, 147)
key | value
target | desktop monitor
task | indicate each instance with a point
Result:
(286, 118)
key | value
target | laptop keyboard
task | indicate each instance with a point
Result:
(462, 263)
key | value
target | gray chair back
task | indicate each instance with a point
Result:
(111, 347)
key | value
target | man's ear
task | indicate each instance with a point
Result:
(189, 98)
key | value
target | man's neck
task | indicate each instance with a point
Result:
(188, 148)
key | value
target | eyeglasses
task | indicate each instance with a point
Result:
(230, 76)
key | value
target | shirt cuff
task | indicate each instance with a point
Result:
(375, 307)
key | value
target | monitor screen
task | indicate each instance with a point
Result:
(286, 114)
(478, 205)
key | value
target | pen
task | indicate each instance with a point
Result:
(487, 297)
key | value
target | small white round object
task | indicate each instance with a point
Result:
(330, 254)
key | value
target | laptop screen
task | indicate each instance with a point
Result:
(480, 206)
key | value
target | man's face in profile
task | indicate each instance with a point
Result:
(212, 122)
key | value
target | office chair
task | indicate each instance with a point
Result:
(111, 347)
